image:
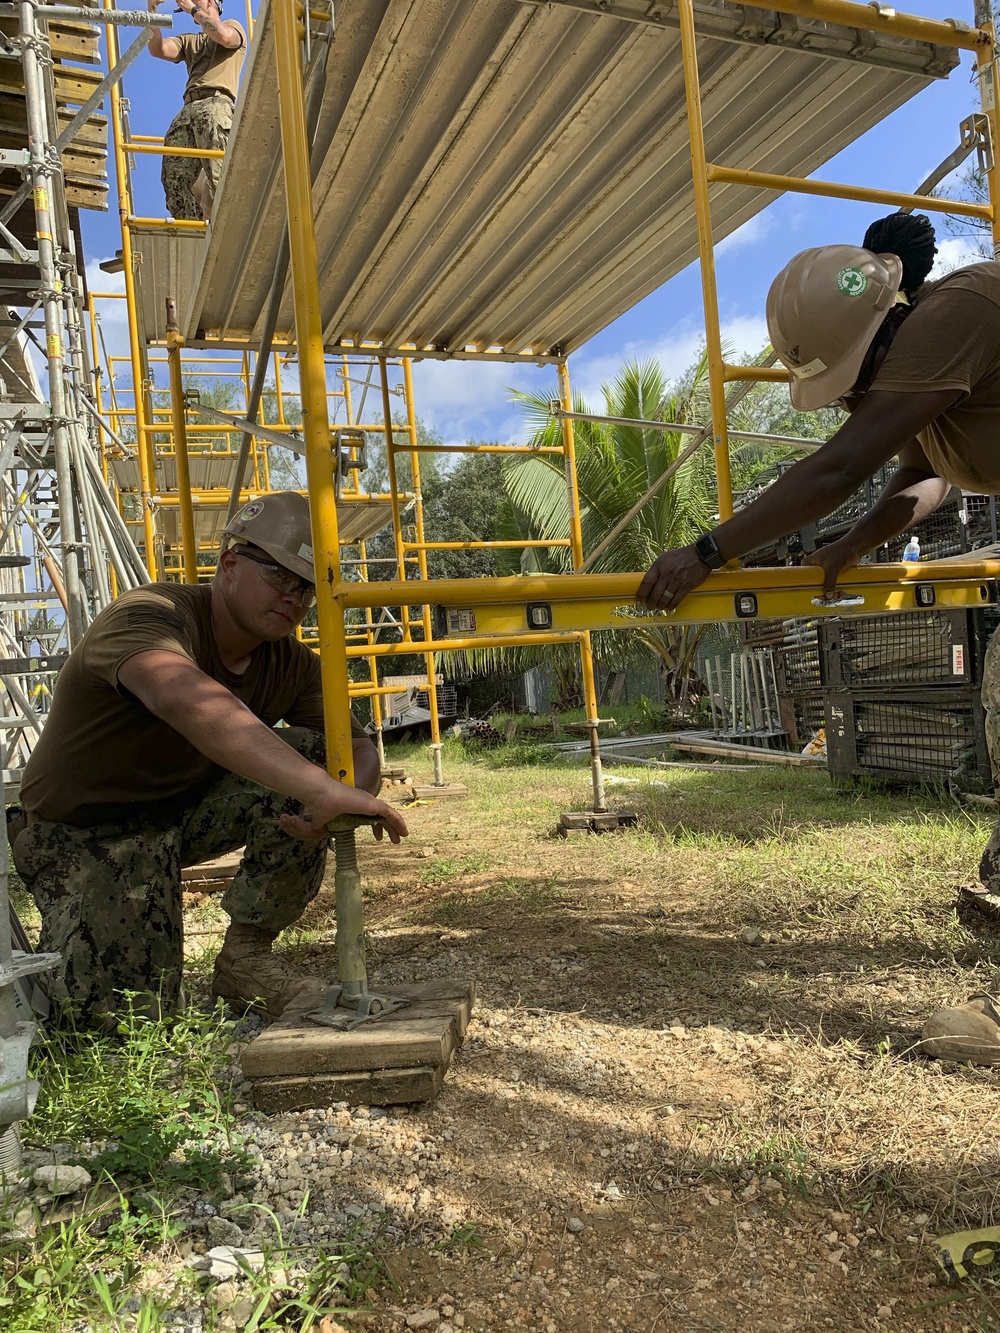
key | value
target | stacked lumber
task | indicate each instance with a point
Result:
(75, 75)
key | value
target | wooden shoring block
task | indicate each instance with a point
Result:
(74, 84)
(400, 1058)
(210, 872)
(391, 1087)
(574, 822)
(429, 792)
(93, 132)
(75, 41)
(87, 196)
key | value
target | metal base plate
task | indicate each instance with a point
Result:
(348, 1012)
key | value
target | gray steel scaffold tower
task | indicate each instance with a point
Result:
(64, 549)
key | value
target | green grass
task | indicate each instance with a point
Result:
(853, 890)
(445, 868)
(151, 1090)
(468, 908)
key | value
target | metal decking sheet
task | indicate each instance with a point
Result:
(502, 175)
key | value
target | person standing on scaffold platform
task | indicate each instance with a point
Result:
(214, 58)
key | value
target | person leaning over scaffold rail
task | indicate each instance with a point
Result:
(916, 364)
(213, 58)
(159, 753)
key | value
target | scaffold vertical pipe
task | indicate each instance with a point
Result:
(189, 546)
(369, 636)
(576, 545)
(319, 472)
(397, 516)
(432, 695)
(706, 250)
(144, 440)
(51, 291)
(989, 90)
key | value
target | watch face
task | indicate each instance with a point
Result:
(707, 550)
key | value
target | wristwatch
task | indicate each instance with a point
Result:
(708, 552)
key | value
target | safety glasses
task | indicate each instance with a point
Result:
(281, 579)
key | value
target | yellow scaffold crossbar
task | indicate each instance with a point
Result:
(564, 603)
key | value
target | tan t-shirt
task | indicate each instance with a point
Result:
(104, 758)
(211, 67)
(952, 341)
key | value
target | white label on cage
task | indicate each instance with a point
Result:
(958, 659)
(461, 622)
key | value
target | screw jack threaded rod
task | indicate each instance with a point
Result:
(350, 916)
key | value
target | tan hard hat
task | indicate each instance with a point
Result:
(823, 311)
(278, 524)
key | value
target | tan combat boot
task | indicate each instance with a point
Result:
(249, 974)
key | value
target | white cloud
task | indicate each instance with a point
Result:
(956, 252)
(676, 351)
(753, 231)
(470, 400)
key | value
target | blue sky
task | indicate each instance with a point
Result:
(464, 401)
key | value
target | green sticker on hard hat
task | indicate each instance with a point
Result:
(252, 509)
(851, 281)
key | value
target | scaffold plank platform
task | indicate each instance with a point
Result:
(502, 176)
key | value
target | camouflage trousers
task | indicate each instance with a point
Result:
(110, 896)
(989, 866)
(202, 124)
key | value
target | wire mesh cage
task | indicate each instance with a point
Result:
(847, 514)
(922, 735)
(918, 648)
(963, 523)
(447, 700)
(820, 664)
(794, 647)
(805, 716)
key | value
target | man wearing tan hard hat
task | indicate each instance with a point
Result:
(917, 367)
(159, 753)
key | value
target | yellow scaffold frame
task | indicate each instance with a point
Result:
(480, 612)
(558, 589)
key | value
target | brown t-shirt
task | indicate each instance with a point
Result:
(103, 757)
(211, 67)
(951, 340)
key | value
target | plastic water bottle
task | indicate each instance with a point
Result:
(912, 549)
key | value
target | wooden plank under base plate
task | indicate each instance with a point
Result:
(386, 1087)
(212, 876)
(432, 793)
(400, 1058)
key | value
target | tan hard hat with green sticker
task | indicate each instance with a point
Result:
(823, 310)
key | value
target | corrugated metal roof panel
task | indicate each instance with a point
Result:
(497, 174)
(166, 264)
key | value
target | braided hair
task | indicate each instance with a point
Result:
(910, 236)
